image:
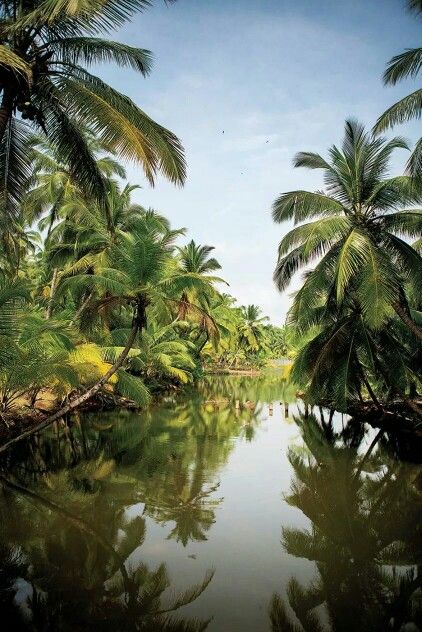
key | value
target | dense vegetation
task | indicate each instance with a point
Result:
(361, 301)
(103, 302)
(96, 295)
(110, 303)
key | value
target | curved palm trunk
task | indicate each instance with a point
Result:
(138, 323)
(368, 453)
(404, 316)
(371, 392)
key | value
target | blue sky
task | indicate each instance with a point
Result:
(284, 71)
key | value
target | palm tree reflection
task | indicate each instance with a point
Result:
(362, 537)
(59, 572)
(184, 491)
(71, 532)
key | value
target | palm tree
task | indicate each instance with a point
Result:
(37, 353)
(252, 332)
(54, 196)
(163, 354)
(195, 260)
(53, 186)
(341, 359)
(357, 236)
(83, 237)
(45, 49)
(402, 66)
(135, 282)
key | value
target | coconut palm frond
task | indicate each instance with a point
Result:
(15, 169)
(414, 164)
(302, 205)
(132, 388)
(405, 110)
(91, 50)
(406, 64)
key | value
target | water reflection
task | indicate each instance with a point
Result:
(60, 572)
(267, 387)
(74, 504)
(365, 536)
(101, 520)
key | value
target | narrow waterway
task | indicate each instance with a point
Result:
(275, 518)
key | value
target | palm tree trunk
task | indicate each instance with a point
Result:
(368, 453)
(405, 317)
(138, 322)
(52, 292)
(81, 309)
(370, 391)
(6, 109)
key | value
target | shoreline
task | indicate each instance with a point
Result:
(22, 425)
(251, 372)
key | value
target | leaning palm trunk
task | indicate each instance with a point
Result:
(404, 316)
(204, 342)
(137, 325)
(52, 292)
(81, 310)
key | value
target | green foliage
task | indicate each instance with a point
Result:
(96, 274)
(46, 50)
(246, 339)
(352, 318)
(400, 67)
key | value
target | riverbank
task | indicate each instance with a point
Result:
(26, 421)
(250, 372)
(283, 364)
(404, 418)
(399, 416)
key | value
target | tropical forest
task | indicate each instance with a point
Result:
(210, 328)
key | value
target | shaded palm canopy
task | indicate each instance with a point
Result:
(45, 85)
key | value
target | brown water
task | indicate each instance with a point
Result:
(257, 519)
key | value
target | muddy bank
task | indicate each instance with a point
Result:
(26, 421)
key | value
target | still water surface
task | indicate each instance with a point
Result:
(258, 520)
